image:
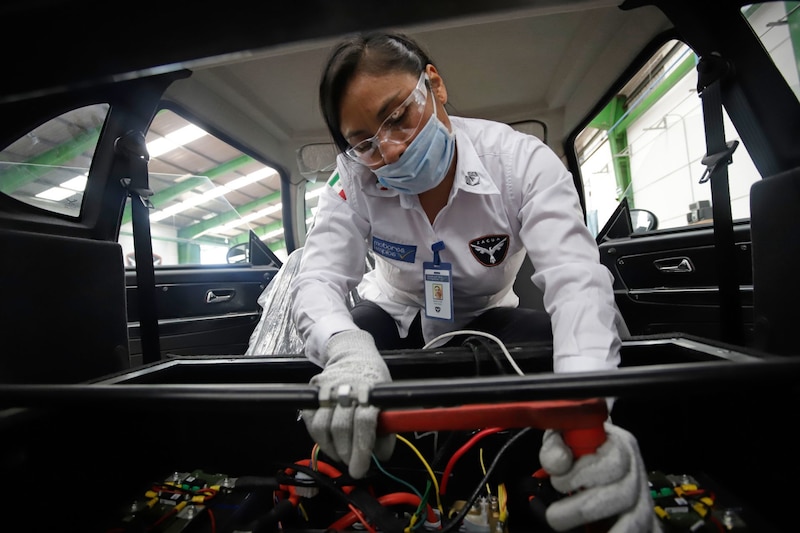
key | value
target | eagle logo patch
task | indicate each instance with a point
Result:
(489, 250)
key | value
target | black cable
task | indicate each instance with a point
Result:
(269, 521)
(481, 341)
(474, 350)
(256, 483)
(454, 523)
(473, 342)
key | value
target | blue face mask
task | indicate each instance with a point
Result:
(424, 163)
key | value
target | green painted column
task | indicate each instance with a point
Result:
(609, 119)
(190, 232)
(618, 142)
(615, 119)
(188, 253)
(161, 197)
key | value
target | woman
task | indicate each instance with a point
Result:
(449, 206)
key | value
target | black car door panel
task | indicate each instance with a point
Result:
(202, 310)
(668, 281)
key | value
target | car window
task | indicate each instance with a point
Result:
(207, 196)
(777, 24)
(47, 168)
(647, 146)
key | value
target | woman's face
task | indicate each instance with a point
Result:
(369, 100)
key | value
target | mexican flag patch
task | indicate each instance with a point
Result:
(335, 183)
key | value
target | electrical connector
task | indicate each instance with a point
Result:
(432, 526)
(477, 519)
(302, 490)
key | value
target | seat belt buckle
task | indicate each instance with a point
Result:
(712, 161)
(131, 145)
(142, 193)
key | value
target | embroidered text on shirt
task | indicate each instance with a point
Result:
(489, 250)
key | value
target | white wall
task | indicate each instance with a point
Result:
(167, 249)
(667, 143)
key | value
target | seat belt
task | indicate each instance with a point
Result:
(711, 72)
(132, 146)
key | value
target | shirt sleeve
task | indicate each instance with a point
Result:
(332, 264)
(578, 289)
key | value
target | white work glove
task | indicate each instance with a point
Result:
(612, 482)
(347, 434)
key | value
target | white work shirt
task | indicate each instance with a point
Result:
(511, 192)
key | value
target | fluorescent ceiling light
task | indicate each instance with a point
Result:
(244, 219)
(77, 184)
(65, 190)
(272, 234)
(174, 209)
(274, 208)
(267, 211)
(158, 216)
(216, 192)
(55, 194)
(175, 139)
(248, 218)
(253, 177)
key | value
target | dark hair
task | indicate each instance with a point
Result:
(376, 52)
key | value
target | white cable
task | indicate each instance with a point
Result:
(418, 436)
(483, 334)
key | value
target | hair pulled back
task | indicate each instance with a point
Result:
(374, 53)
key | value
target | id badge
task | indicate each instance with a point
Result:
(438, 290)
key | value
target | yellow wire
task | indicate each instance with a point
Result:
(502, 497)
(303, 511)
(428, 468)
(483, 468)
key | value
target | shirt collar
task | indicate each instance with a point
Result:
(372, 187)
(471, 175)
(364, 179)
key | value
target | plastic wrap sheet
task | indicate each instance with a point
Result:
(275, 333)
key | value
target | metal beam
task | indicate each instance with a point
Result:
(17, 176)
(162, 197)
(189, 232)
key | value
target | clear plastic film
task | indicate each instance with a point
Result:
(275, 334)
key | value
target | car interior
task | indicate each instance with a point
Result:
(160, 168)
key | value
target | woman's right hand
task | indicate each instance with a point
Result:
(346, 431)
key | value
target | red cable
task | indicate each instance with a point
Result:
(326, 468)
(461, 451)
(163, 517)
(395, 498)
(322, 467)
(355, 512)
(213, 520)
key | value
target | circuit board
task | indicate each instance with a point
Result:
(682, 503)
(185, 501)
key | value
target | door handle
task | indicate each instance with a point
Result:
(674, 264)
(217, 296)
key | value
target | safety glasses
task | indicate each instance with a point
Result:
(399, 126)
